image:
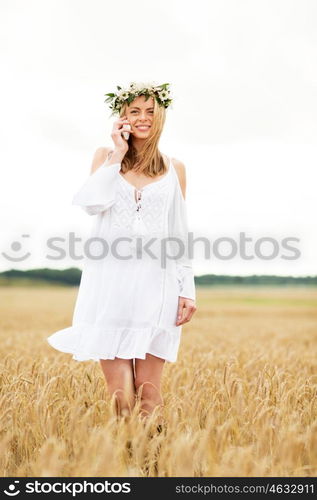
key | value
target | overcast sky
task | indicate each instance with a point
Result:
(243, 121)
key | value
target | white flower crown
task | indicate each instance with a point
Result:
(160, 92)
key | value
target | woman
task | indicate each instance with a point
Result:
(129, 310)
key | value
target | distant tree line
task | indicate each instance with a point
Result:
(72, 276)
(254, 279)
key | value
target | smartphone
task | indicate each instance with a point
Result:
(126, 135)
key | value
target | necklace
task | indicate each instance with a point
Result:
(138, 227)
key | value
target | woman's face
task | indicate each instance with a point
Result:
(140, 116)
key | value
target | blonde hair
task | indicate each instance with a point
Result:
(149, 160)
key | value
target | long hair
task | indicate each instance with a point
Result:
(149, 160)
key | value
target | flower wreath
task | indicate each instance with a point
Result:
(160, 92)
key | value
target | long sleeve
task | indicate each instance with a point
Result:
(98, 191)
(178, 233)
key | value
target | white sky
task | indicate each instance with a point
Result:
(244, 118)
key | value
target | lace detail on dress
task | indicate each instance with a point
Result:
(122, 211)
(153, 198)
(152, 208)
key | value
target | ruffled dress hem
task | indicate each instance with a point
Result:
(125, 343)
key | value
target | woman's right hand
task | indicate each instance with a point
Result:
(120, 143)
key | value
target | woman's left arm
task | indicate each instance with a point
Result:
(185, 274)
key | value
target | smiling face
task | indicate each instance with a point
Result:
(140, 115)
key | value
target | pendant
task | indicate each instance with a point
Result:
(138, 226)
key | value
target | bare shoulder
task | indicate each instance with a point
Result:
(99, 158)
(180, 168)
(181, 173)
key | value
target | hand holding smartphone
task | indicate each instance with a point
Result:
(120, 133)
(126, 126)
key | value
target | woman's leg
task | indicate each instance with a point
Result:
(147, 382)
(120, 380)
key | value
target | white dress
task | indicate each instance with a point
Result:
(135, 267)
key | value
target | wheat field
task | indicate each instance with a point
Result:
(240, 400)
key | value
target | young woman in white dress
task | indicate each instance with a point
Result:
(115, 319)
